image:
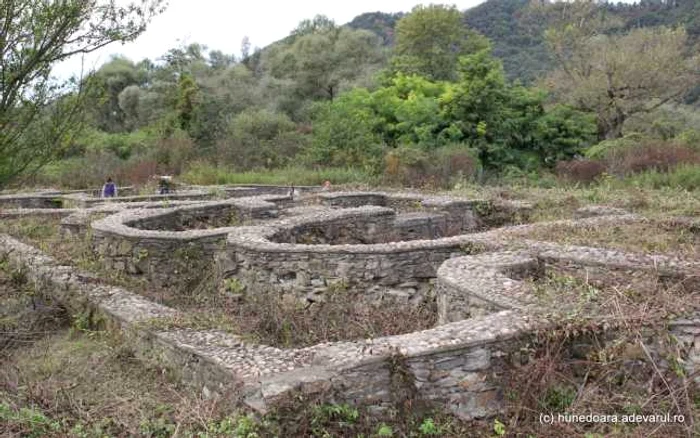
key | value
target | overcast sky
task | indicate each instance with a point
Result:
(222, 24)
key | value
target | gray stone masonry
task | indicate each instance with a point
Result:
(461, 214)
(486, 311)
(31, 200)
(367, 248)
(169, 258)
(82, 200)
(267, 258)
(453, 364)
(478, 285)
(77, 221)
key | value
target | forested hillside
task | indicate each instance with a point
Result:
(509, 89)
(518, 37)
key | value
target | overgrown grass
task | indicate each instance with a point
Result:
(287, 322)
(646, 237)
(205, 174)
(45, 234)
(609, 353)
(685, 177)
(560, 202)
(26, 313)
(88, 384)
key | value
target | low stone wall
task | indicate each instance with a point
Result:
(353, 199)
(81, 200)
(37, 213)
(419, 225)
(31, 200)
(478, 285)
(77, 221)
(456, 365)
(169, 258)
(461, 215)
(264, 259)
(362, 248)
(348, 226)
(261, 190)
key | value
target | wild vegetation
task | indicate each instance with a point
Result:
(561, 104)
(63, 376)
(435, 97)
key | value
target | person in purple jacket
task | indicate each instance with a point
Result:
(109, 190)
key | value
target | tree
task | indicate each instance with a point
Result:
(322, 58)
(319, 24)
(187, 100)
(37, 117)
(499, 123)
(617, 76)
(106, 85)
(259, 138)
(430, 40)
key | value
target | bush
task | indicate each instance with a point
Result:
(685, 177)
(457, 163)
(344, 133)
(580, 171)
(172, 153)
(89, 171)
(206, 174)
(408, 166)
(137, 172)
(604, 149)
(659, 157)
(123, 145)
(260, 138)
(443, 167)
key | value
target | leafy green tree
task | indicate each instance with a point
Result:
(316, 25)
(430, 40)
(617, 76)
(186, 100)
(260, 138)
(103, 96)
(345, 132)
(563, 132)
(37, 118)
(504, 124)
(323, 58)
(223, 94)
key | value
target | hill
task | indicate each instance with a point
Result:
(518, 38)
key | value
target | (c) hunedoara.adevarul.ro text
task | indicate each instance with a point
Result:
(551, 418)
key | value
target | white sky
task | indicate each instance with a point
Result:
(222, 24)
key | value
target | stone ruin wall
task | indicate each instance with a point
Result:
(138, 242)
(458, 363)
(453, 364)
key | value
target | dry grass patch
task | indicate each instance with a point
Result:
(609, 354)
(288, 322)
(25, 313)
(87, 384)
(645, 237)
(561, 202)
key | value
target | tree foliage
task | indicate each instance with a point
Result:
(323, 58)
(617, 76)
(439, 105)
(35, 122)
(430, 40)
(505, 124)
